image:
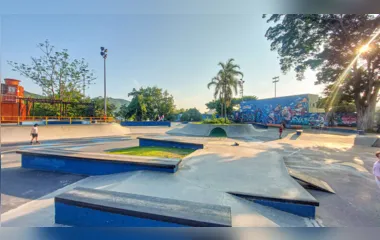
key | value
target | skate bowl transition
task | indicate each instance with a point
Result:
(11, 134)
(217, 130)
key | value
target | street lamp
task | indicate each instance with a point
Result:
(275, 81)
(104, 53)
(241, 82)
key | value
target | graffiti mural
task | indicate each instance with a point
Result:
(276, 110)
(293, 110)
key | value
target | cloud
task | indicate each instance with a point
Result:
(136, 83)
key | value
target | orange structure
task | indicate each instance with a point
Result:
(12, 108)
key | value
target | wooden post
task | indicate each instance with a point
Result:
(46, 119)
(18, 120)
(70, 120)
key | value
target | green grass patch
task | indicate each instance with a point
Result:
(163, 152)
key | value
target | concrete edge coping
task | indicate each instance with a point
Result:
(115, 158)
(161, 209)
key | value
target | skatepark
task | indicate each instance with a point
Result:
(312, 179)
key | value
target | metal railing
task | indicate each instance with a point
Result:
(64, 120)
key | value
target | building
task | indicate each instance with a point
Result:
(297, 110)
(12, 108)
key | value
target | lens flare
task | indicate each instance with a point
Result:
(337, 85)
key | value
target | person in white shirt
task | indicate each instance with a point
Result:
(34, 133)
(376, 169)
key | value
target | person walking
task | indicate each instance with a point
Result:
(281, 129)
(376, 169)
(34, 133)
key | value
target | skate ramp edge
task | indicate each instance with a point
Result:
(205, 130)
(12, 134)
(84, 207)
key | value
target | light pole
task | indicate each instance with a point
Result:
(103, 53)
(241, 82)
(275, 81)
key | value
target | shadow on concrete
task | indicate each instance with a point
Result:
(349, 172)
(295, 136)
(19, 183)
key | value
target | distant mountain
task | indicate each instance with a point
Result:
(116, 101)
(32, 95)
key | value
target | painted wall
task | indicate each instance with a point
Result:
(145, 124)
(294, 110)
(289, 109)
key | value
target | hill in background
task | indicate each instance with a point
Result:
(116, 101)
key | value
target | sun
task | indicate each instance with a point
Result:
(365, 48)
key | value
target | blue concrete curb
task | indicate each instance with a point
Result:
(150, 142)
(32, 159)
(145, 124)
(84, 207)
(300, 208)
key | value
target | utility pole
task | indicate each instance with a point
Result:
(103, 53)
(275, 81)
(241, 82)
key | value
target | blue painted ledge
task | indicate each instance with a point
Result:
(153, 142)
(145, 124)
(92, 164)
(84, 207)
(297, 207)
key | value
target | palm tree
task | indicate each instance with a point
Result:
(226, 83)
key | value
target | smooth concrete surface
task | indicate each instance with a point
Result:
(139, 206)
(332, 158)
(11, 134)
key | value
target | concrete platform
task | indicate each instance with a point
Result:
(69, 161)
(83, 207)
(175, 143)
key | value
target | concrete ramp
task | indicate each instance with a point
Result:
(376, 143)
(13, 134)
(312, 182)
(365, 140)
(204, 130)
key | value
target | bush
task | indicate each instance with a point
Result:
(214, 120)
(191, 114)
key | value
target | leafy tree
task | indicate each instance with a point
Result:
(226, 83)
(215, 104)
(343, 106)
(332, 45)
(191, 114)
(99, 107)
(149, 103)
(58, 76)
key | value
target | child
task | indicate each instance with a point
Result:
(376, 169)
(34, 134)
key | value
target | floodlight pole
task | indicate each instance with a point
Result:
(104, 53)
(275, 81)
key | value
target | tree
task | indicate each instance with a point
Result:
(58, 76)
(215, 104)
(342, 48)
(191, 114)
(226, 83)
(99, 107)
(149, 103)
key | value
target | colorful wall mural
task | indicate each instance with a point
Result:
(293, 110)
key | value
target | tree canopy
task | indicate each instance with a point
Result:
(343, 49)
(191, 114)
(58, 75)
(148, 103)
(226, 83)
(215, 104)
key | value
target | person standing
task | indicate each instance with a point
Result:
(34, 133)
(281, 129)
(376, 169)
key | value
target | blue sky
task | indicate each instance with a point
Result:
(177, 52)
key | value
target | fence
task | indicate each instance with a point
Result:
(57, 120)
